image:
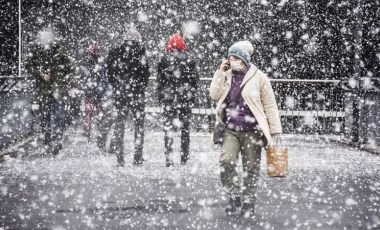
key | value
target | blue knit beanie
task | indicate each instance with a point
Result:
(243, 50)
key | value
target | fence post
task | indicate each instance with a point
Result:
(357, 73)
(356, 118)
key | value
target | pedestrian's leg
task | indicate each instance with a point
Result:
(168, 116)
(228, 172)
(118, 139)
(58, 115)
(104, 124)
(87, 108)
(75, 110)
(251, 157)
(89, 113)
(139, 119)
(45, 109)
(96, 114)
(184, 116)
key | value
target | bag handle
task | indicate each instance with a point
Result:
(277, 142)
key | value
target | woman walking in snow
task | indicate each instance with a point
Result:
(247, 107)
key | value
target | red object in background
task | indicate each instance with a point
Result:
(176, 43)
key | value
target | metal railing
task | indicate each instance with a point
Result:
(306, 106)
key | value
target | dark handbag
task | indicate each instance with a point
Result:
(217, 137)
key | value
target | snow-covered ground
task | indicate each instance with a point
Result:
(329, 187)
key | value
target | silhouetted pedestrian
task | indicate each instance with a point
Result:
(177, 86)
(128, 72)
(51, 67)
(95, 87)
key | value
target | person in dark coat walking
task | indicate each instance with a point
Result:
(128, 73)
(51, 67)
(177, 85)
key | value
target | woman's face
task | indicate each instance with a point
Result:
(236, 63)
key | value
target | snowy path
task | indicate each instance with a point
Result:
(329, 187)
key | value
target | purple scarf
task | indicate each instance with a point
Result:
(237, 115)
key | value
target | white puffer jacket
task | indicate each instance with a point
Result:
(258, 94)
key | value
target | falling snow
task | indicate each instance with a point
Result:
(323, 59)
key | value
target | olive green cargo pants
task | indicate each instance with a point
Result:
(249, 144)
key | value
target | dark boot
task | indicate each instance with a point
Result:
(248, 210)
(120, 163)
(184, 159)
(233, 205)
(169, 162)
(55, 149)
(137, 159)
(120, 160)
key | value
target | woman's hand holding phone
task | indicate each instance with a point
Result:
(225, 66)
